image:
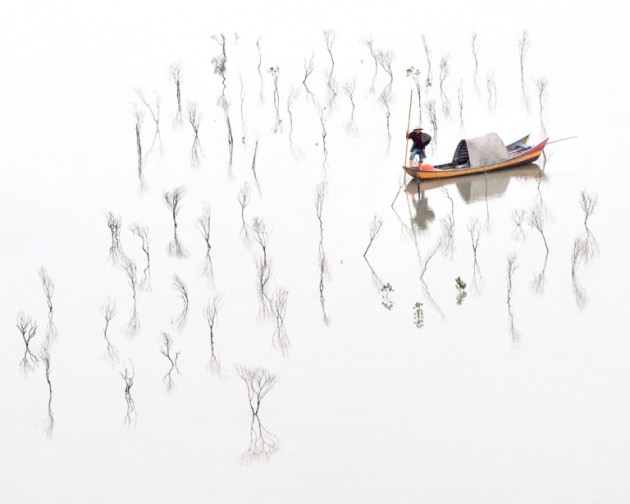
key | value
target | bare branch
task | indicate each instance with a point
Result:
(166, 349)
(182, 291)
(375, 229)
(142, 232)
(114, 223)
(278, 309)
(210, 314)
(173, 199)
(204, 223)
(108, 311)
(244, 197)
(129, 267)
(175, 72)
(28, 330)
(259, 382)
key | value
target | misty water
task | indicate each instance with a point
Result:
(395, 383)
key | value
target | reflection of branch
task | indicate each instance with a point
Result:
(155, 114)
(579, 255)
(308, 70)
(45, 358)
(173, 200)
(370, 45)
(474, 229)
(142, 232)
(375, 229)
(114, 223)
(128, 376)
(165, 350)
(447, 224)
(263, 263)
(244, 199)
(278, 309)
(254, 166)
(430, 298)
(536, 221)
(320, 195)
(129, 267)
(348, 89)
(518, 216)
(49, 287)
(210, 314)
(262, 443)
(182, 291)
(28, 329)
(108, 310)
(322, 113)
(385, 289)
(294, 93)
(194, 118)
(512, 265)
(429, 256)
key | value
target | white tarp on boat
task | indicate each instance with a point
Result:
(479, 151)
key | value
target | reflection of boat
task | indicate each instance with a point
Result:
(482, 154)
(470, 187)
(473, 187)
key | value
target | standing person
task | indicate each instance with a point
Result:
(420, 141)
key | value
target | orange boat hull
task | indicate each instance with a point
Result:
(426, 171)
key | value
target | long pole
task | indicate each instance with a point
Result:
(408, 126)
(562, 139)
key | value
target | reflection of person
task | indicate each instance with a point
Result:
(420, 141)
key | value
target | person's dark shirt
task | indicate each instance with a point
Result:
(419, 138)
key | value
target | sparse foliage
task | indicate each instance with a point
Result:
(173, 200)
(259, 381)
(418, 314)
(375, 229)
(461, 289)
(27, 327)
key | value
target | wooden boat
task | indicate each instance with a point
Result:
(481, 154)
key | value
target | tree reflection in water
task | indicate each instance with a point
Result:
(262, 443)
(259, 382)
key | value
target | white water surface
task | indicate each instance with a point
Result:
(474, 406)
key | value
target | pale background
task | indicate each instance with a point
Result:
(368, 408)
